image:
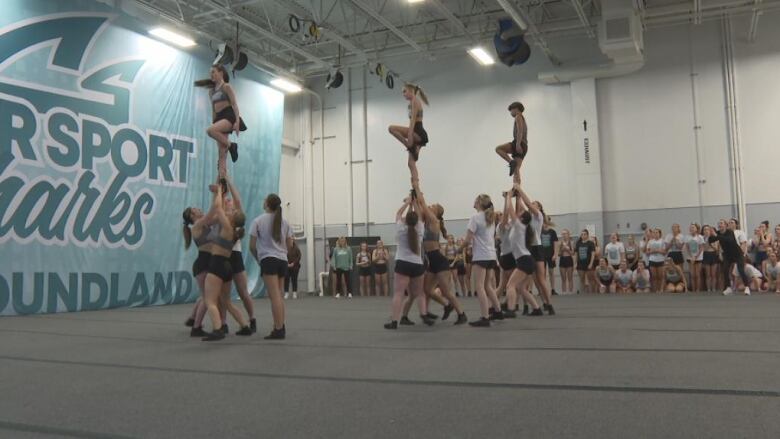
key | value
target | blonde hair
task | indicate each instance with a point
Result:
(487, 205)
(417, 91)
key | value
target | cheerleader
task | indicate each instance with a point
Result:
(380, 257)
(363, 262)
(481, 232)
(710, 256)
(518, 220)
(694, 249)
(641, 278)
(606, 276)
(566, 262)
(412, 137)
(674, 277)
(623, 278)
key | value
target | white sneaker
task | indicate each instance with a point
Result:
(295, 295)
(321, 294)
(728, 291)
(338, 296)
(349, 296)
(286, 295)
(747, 291)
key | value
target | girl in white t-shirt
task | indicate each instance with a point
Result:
(481, 234)
(641, 278)
(538, 219)
(753, 274)
(615, 251)
(772, 272)
(520, 236)
(409, 269)
(694, 253)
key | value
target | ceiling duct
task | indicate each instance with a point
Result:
(620, 39)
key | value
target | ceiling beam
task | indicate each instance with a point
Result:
(455, 22)
(583, 18)
(268, 34)
(387, 24)
(753, 32)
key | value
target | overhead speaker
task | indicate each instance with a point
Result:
(224, 55)
(334, 79)
(241, 62)
(510, 44)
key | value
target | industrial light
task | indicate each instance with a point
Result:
(288, 86)
(415, 1)
(172, 37)
(481, 56)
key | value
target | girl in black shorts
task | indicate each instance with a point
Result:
(228, 229)
(586, 252)
(363, 262)
(521, 236)
(566, 261)
(710, 259)
(227, 117)
(606, 276)
(631, 252)
(412, 137)
(380, 258)
(199, 233)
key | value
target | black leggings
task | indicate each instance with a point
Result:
(725, 268)
(292, 276)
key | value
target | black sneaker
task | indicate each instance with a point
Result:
(512, 166)
(246, 330)
(405, 321)
(253, 325)
(504, 306)
(198, 332)
(430, 315)
(496, 315)
(554, 293)
(225, 329)
(525, 310)
(536, 312)
(276, 334)
(549, 308)
(213, 336)
(392, 325)
(233, 150)
(461, 319)
(481, 323)
(447, 311)
(510, 314)
(190, 322)
(427, 320)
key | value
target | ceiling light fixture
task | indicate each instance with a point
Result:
(481, 55)
(172, 37)
(286, 85)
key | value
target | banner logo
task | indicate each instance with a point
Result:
(76, 131)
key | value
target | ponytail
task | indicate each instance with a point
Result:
(239, 219)
(487, 206)
(207, 83)
(274, 203)
(186, 216)
(419, 92)
(411, 232)
(278, 224)
(187, 236)
(440, 217)
(238, 234)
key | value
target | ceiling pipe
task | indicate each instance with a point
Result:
(583, 18)
(455, 22)
(387, 24)
(609, 70)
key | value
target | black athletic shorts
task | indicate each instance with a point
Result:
(461, 268)
(201, 264)
(710, 258)
(566, 262)
(507, 262)
(237, 261)
(519, 153)
(677, 257)
(420, 131)
(488, 265)
(526, 264)
(410, 269)
(632, 264)
(380, 268)
(364, 271)
(228, 114)
(606, 283)
(583, 266)
(271, 266)
(656, 264)
(537, 252)
(220, 266)
(437, 262)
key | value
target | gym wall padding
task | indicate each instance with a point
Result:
(102, 145)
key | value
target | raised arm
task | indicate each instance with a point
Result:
(400, 214)
(234, 194)
(527, 201)
(509, 210)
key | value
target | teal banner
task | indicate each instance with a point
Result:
(102, 145)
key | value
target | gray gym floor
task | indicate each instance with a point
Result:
(657, 366)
